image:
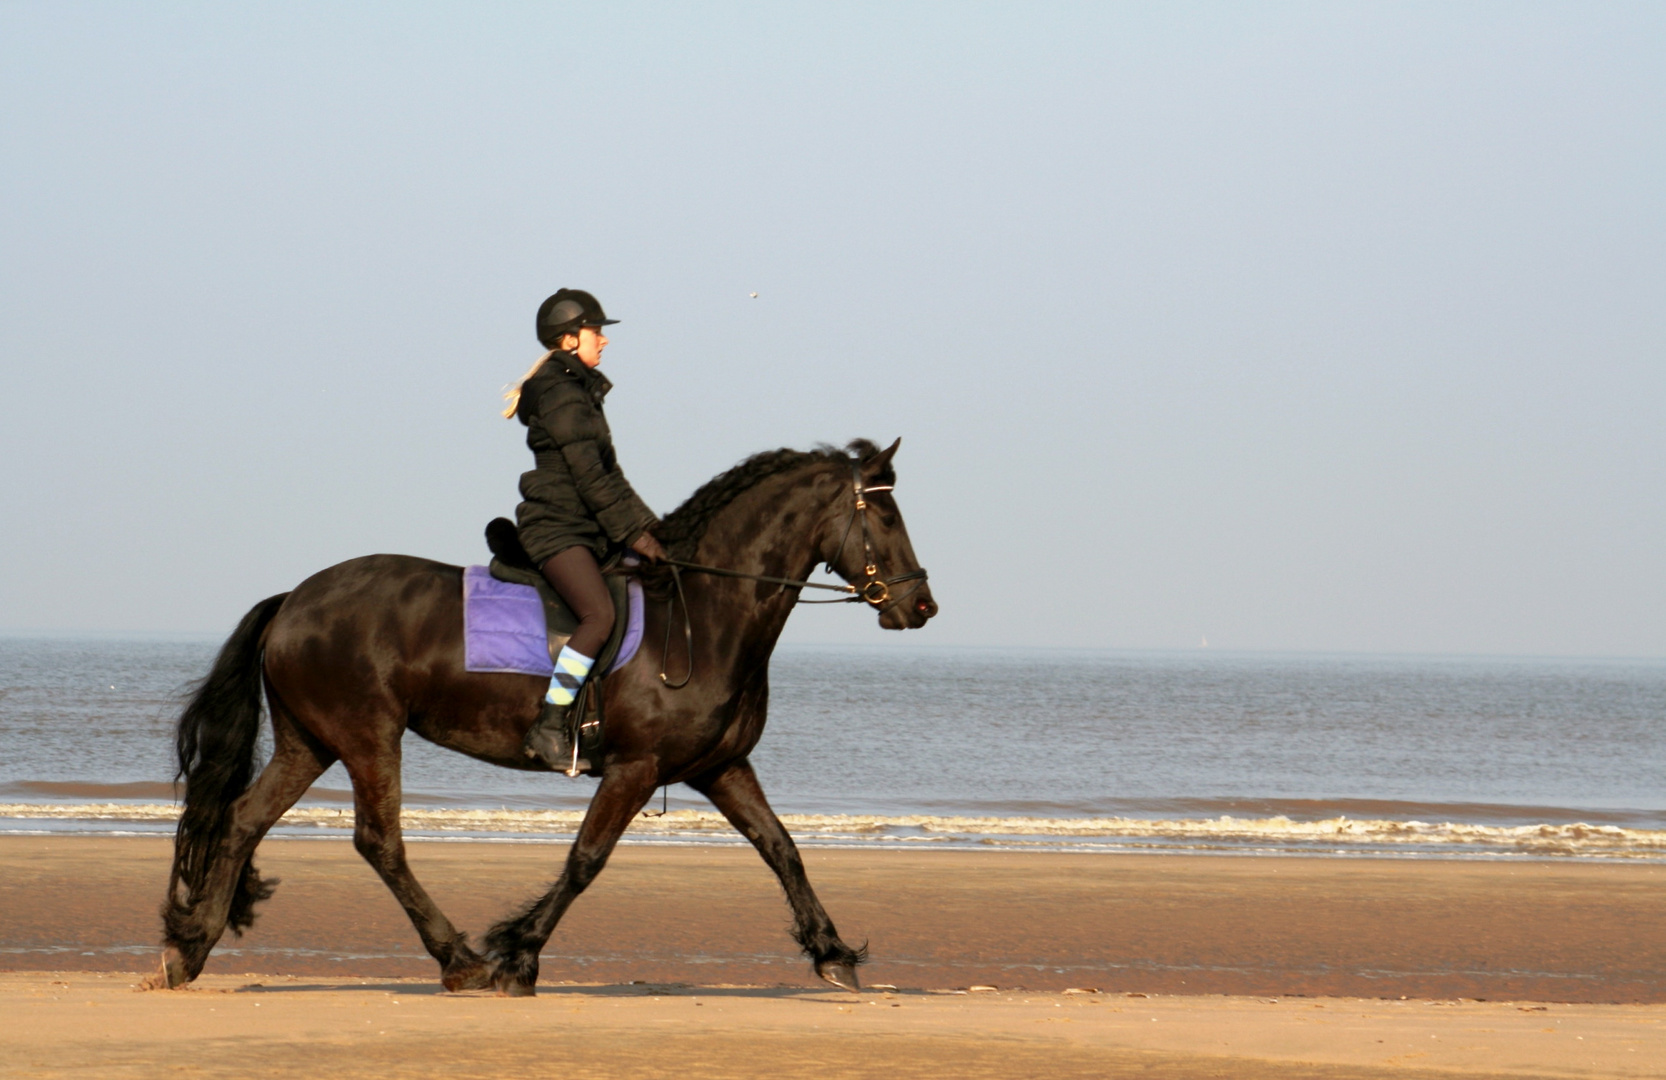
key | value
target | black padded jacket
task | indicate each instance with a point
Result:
(577, 494)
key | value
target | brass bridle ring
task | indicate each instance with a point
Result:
(876, 592)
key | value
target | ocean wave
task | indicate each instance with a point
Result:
(1224, 833)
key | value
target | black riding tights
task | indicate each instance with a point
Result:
(578, 579)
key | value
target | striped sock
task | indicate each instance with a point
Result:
(571, 669)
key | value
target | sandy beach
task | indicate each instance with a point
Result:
(678, 962)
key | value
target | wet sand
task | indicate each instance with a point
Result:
(1167, 924)
(1336, 941)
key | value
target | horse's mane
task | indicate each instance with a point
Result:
(680, 530)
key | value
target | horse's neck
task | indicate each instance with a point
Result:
(775, 529)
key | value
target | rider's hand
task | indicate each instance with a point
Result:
(647, 547)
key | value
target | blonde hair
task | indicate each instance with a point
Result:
(512, 394)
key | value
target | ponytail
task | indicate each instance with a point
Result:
(512, 394)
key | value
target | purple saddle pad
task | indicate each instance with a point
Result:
(503, 626)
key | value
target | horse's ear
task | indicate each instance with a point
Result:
(882, 460)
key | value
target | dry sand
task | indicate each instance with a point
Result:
(346, 991)
(95, 1025)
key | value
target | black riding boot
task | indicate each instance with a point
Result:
(548, 739)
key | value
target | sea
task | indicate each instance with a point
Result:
(1198, 752)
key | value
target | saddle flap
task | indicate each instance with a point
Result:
(512, 564)
(557, 617)
(559, 621)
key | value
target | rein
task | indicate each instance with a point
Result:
(875, 592)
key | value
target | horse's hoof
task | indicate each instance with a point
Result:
(510, 983)
(840, 974)
(169, 974)
(475, 976)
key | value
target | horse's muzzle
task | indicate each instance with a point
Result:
(911, 614)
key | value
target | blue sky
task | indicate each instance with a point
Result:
(1290, 326)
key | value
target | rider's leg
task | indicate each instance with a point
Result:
(576, 577)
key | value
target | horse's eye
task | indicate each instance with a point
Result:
(888, 520)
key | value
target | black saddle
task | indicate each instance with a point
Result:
(511, 563)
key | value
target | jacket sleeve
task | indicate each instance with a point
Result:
(578, 430)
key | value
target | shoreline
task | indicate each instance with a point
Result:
(738, 843)
(1339, 836)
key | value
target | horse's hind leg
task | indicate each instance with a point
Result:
(515, 943)
(378, 837)
(194, 923)
(736, 793)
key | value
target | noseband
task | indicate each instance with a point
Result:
(875, 591)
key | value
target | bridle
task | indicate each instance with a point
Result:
(875, 591)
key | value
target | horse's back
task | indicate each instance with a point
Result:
(358, 624)
(371, 583)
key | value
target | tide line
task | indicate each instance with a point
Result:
(1224, 833)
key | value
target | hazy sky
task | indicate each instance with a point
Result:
(1294, 326)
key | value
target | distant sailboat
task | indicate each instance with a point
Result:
(1205, 644)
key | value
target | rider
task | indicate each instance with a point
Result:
(578, 509)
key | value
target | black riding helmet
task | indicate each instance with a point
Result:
(565, 312)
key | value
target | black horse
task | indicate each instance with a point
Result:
(360, 652)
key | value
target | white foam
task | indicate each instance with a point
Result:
(1101, 833)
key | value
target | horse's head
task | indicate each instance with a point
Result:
(866, 543)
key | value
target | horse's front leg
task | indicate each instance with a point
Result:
(516, 942)
(735, 792)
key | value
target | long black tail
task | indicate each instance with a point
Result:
(217, 738)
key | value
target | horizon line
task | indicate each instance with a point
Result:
(193, 636)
